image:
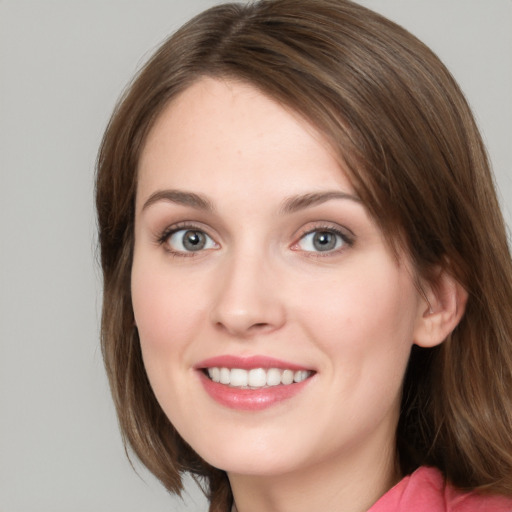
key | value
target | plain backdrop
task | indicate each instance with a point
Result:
(63, 64)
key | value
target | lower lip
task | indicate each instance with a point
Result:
(250, 399)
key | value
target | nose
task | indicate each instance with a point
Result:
(248, 300)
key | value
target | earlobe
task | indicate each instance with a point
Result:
(441, 310)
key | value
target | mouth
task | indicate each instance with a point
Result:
(252, 383)
(256, 378)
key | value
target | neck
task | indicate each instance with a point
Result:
(342, 484)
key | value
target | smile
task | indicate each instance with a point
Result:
(256, 378)
(252, 383)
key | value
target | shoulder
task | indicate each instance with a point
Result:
(427, 491)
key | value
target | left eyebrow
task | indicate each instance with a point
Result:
(300, 202)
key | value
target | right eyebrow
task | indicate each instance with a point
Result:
(179, 197)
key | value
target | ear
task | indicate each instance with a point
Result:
(441, 309)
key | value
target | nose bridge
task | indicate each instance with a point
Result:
(247, 299)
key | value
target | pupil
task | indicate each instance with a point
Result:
(194, 240)
(324, 241)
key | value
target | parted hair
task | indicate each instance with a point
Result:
(402, 128)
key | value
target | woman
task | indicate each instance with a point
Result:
(307, 284)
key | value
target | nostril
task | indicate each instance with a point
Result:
(247, 316)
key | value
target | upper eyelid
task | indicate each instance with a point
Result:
(325, 226)
(183, 226)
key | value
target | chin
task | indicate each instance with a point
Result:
(254, 464)
(253, 451)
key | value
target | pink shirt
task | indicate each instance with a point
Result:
(426, 491)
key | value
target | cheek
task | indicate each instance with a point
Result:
(164, 313)
(166, 321)
(364, 319)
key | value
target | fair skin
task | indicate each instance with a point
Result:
(250, 242)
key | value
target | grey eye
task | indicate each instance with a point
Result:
(190, 240)
(321, 241)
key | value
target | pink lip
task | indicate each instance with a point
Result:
(249, 399)
(248, 363)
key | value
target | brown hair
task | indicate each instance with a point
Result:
(402, 127)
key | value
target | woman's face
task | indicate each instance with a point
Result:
(255, 266)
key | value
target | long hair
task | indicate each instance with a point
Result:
(401, 126)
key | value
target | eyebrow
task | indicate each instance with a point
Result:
(179, 197)
(301, 202)
(290, 205)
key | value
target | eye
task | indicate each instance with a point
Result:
(322, 240)
(189, 240)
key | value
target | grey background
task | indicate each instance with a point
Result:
(63, 63)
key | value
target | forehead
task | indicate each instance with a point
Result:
(223, 134)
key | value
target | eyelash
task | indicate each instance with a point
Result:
(347, 240)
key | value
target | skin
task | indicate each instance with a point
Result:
(261, 288)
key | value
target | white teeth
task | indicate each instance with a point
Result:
(287, 377)
(239, 378)
(257, 377)
(273, 377)
(214, 374)
(225, 376)
(300, 376)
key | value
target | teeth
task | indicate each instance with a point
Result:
(300, 375)
(287, 377)
(239, 378)
(273, 377)
(225, 376)
(257, 377)
(214, 374)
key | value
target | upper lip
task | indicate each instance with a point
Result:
(248, 363)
